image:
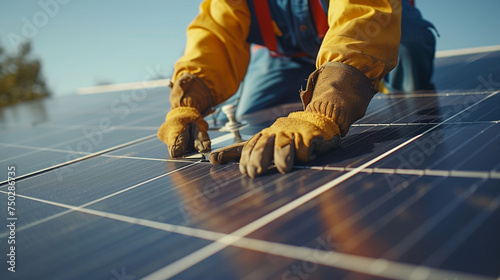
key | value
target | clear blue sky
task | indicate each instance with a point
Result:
(81, 42)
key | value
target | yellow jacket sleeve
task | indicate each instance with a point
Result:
(216, 49)
(364, 34)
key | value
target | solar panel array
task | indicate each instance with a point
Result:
(413, 191)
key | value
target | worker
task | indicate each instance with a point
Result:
(354, 46)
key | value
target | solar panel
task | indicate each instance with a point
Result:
(411, 193)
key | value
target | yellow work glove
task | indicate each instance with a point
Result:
(336, 96)
(301, 135)
(184, 129)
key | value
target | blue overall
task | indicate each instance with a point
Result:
(273, 80)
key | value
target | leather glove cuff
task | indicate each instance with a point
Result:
(191, 91)
(338, 91)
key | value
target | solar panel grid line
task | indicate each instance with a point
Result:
(145, 158)
(36, 136)
(33, 150)
(366, 265)
(389, 216)
(420, 172)
(423, 123)
(201, 178)
(187, 231)
(453, 104)
(38, 149)
(451, 244)
(452, 152)
(390, 124)
(360, 213)
(437, 94)
(410, 240)
(427, 171)
(402, 114)
(75, 208)
(381, 109)
(214, 141)
(368, 208)
(367, 232)
(67, 153)
(117, 121)
(400, 171)
(80, 159)
(154, 115)
(195, 257)
(194, 158)
(394, 123)
(238, 199)
(69, 141)
(457, 148)
(87, 155)
(474, 174)
(352, 144)
(348, 143)
(469, 140)
(452, 173)
(122, 127)
(395, 116)
(326, 214)
(480, 149)
(89, 118)
(12, 159)
(486, 113)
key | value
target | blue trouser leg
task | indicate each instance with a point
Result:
(270, 81)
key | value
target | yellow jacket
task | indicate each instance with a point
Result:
(364, 34)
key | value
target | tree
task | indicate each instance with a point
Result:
(20, 77)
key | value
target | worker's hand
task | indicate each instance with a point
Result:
(336, 96)
(301, 135)
(184, 129)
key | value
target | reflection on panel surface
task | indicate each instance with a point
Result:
(81, 246)
(216, 198)
(412, 192)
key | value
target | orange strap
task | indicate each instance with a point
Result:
(263, 15)
(320, 18)
(264, 20)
